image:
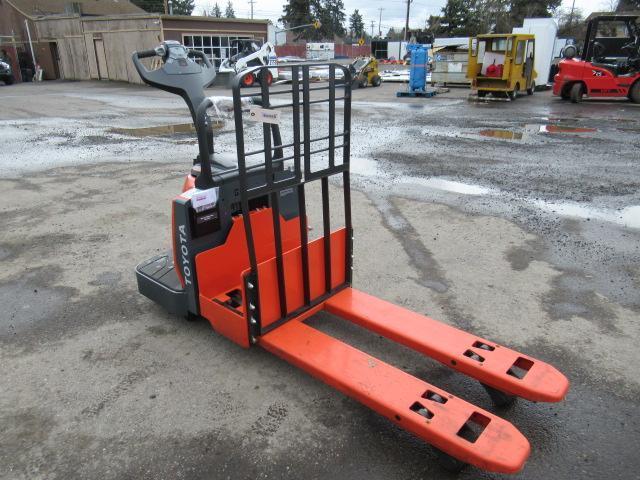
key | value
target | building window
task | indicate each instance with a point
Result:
(216, 47)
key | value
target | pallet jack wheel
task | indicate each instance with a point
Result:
(449, 463)
(499, 398)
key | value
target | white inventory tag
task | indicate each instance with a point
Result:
(264, 115)
(202, 199)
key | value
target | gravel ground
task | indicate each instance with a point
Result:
(518, 221)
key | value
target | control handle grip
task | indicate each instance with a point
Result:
(145, 53)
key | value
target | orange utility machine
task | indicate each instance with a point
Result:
(242, 259)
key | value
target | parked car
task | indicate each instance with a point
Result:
(6, 75)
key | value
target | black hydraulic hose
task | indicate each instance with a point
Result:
(204, 180)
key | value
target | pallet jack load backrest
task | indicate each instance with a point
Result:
(243, 261)
(171, 278)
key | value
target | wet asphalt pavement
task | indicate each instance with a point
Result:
(518, 221)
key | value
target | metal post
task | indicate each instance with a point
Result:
(33, 56)
(380, 23)
(573, 5)
(406, 26)
(251, 2)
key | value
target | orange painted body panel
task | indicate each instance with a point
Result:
(189, 183)
(391, 392)
(448, 345)
(225, 321)
(292, 261)
(220, 270)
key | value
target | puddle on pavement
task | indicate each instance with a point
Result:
(156, 131)
(628, 217)
(565, 129)
(371, 168)
(446, 185)
(363, 166)
(563, 119)
(503, 134)
(159, 130)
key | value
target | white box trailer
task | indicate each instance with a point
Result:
(321, 51)
(396, 50)
(545, 30)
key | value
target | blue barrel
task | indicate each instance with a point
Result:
(418, 72)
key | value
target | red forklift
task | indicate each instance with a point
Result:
(243, 260)
(610, 62)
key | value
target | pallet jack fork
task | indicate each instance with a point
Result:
(257, 277)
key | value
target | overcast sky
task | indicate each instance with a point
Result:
(393, 14)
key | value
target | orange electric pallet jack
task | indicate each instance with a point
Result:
(242, 259)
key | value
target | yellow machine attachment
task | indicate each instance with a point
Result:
(364, 72)
(502, 63)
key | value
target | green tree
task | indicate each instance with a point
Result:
(297, 13)
(459, 18)
(183, 7)
(391, 34)
(215, 11)
(466, 18)
(356, 24)
(571, 25)
(521, 9)
(151, 6)
(321, 13)
(628, 6)
(228, 12)
(335, 15)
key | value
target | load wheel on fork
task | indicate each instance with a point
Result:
(449, 463)
(498, 397)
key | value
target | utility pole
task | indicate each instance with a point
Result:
(380, 23)
(373, 24)
(251, 2)
(406, 26)
(573, 5)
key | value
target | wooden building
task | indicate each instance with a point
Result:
(94, 39)
(18, 26)
(101, 47)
